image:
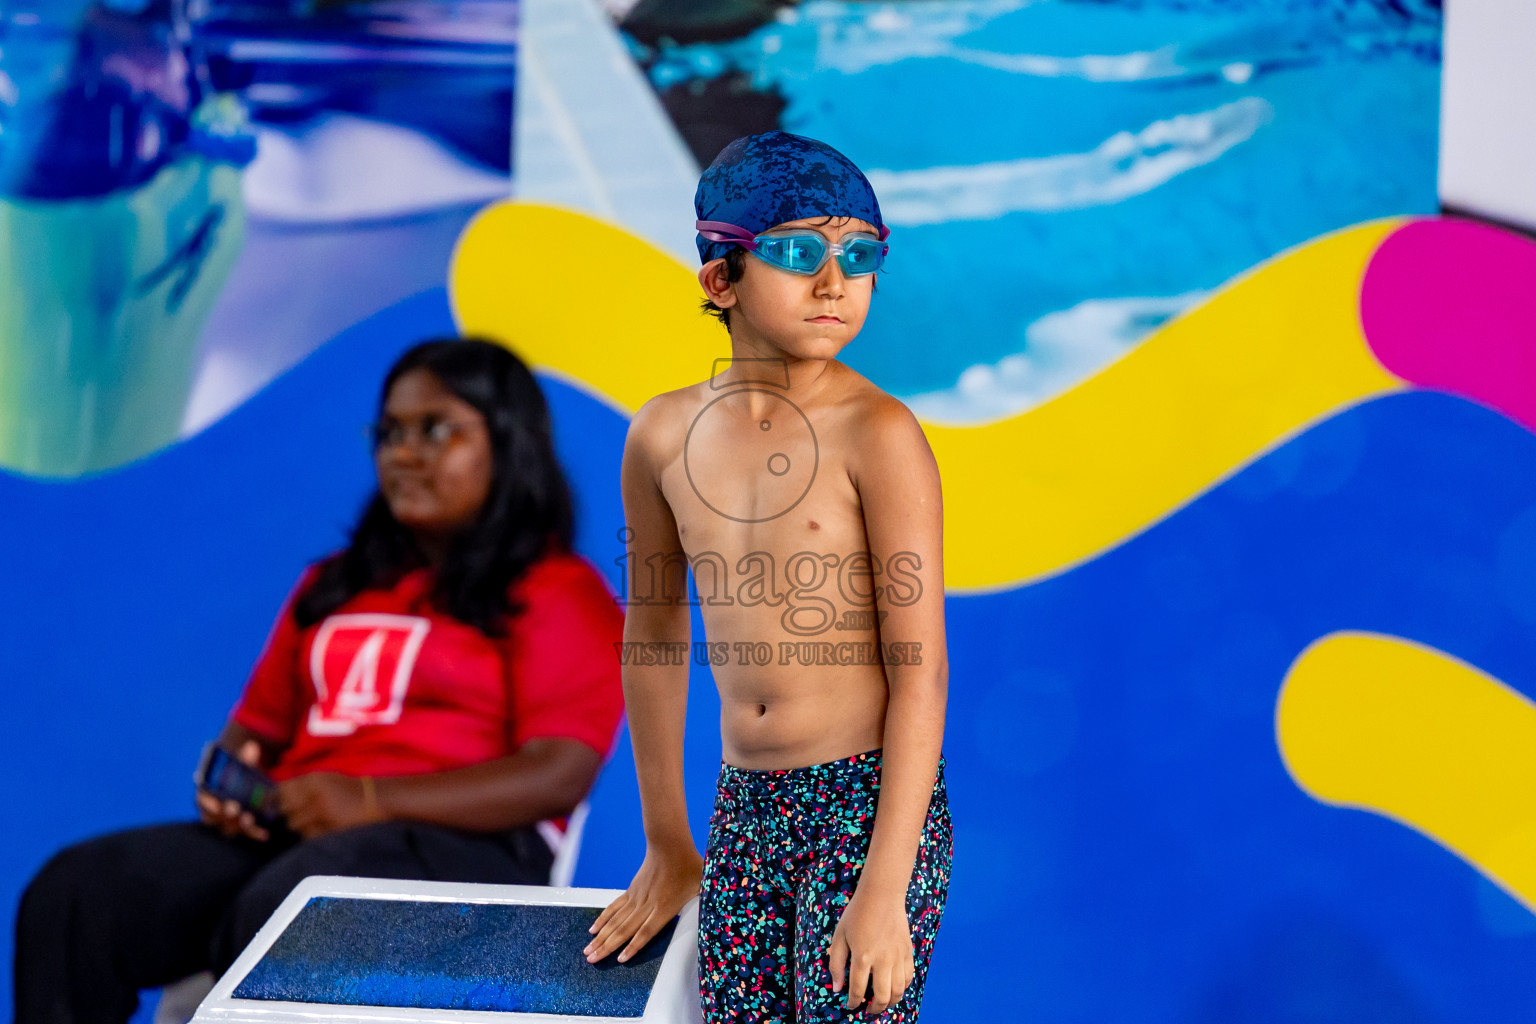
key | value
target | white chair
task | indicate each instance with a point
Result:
(180, 1000)
(566, 845)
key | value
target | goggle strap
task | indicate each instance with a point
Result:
(720, 231)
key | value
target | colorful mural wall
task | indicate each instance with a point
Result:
(1235, 436)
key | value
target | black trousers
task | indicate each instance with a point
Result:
(146, 907)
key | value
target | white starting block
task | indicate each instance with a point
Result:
(392, 952)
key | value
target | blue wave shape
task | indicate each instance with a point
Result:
(1128, 844)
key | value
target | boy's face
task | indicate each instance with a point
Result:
(805, 316)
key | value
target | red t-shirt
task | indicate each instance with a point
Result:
(387, 685)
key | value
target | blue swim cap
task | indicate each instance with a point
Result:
(762, 180)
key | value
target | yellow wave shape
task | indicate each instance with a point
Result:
(1386, 725)
(1024, 497)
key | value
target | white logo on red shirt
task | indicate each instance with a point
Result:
(361, 665)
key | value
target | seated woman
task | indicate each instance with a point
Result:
(428, 697)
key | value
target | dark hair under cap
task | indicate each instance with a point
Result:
(763, 180)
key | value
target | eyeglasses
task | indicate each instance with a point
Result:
(805, 252)
(432, 432)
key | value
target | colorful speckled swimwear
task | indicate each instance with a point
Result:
(785, 851)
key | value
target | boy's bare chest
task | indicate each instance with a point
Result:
(771, 482)
(825, 518)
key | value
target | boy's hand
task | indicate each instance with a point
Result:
(665, 881)
(872, 948)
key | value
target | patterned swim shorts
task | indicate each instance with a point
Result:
(785, 852)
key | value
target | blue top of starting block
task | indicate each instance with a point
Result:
(509, 957)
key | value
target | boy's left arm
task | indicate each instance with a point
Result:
(898, 483)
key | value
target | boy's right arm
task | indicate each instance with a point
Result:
(655, 700)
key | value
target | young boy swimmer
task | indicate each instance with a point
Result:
(807, 502)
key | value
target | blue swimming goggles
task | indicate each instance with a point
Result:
(804, 252)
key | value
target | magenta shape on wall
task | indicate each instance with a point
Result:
(1450, 304)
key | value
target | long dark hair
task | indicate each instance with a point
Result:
(527, 513)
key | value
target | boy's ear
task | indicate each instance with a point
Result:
(717, 285)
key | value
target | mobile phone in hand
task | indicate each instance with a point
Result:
(222, 774)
